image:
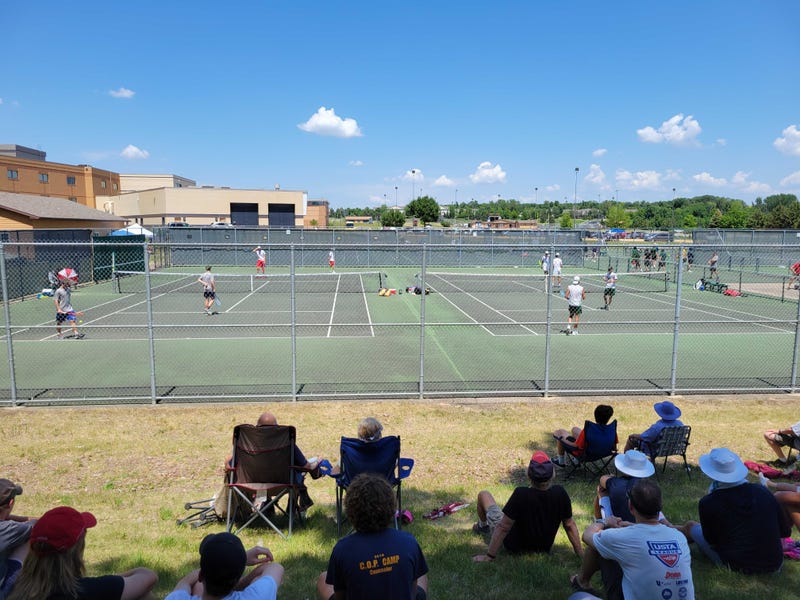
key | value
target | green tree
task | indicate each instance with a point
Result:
(393, 218)
(565, 221)
(617, 216)
(424, 208)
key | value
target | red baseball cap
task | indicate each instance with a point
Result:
(59, 529)
(540, 468)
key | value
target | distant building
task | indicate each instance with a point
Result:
(134, 183)
(25, 171)
(28, 211)
(318, 212)
(351, 220)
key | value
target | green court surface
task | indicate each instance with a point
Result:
(485, 332)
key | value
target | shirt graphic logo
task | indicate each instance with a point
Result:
(667, 552)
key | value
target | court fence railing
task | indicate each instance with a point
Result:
(488, 327)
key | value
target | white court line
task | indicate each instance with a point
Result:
(247, 296)
(333, 306)
(366, 305)
(512, 321)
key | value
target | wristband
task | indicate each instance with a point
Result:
(492, 556)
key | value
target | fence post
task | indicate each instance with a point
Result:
(796, 351)
(150, 328)
(673, 377)
(549, 320)
(293, 317)
(422, 274)
(7, 314)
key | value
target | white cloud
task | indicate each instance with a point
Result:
(413, 174)
(793, 179)
(672, 175)
(599, 152)
(327, 122)
(722, 142)
(133, 153)
(641, 180)
(552, 188)
(709, 179)
(757, 187)
(488, 173)
(595, 175)
(356, 163)
(676, 130)
(444, 181)
(122, 93)
(790, 142)
(740, 178)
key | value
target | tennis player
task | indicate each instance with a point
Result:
(575, 296)
(209, 289)
(610, 279)
(544, 262)
(64, 311)
(795, 270)
(331, 260)
(712, 266)
(556, 270)
(261, 259)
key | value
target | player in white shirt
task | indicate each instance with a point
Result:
(575, 296)
(610, 279)
(261, 259)
(555, 271)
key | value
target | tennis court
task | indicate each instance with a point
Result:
(321, 334)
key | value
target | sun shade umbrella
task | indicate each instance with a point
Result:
(68, 274)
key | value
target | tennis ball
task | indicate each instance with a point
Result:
(80, 321)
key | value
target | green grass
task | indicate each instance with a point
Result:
(135, 467)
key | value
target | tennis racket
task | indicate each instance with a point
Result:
(217, 301)
(75, 313)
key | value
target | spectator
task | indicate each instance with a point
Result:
(668, 413)
(787, 495)
(741, 524)
(376, 561)
(222, 564)
(14, 533)
(613, 491)
(54, 567)
(529, 521)
(778, 438)
(370, 429)
(654, 559)
(569, 442)
(267, 419)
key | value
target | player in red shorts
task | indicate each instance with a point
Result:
(261, 259)
(331, 260)
(795, 270)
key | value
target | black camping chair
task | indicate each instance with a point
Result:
(599, 447)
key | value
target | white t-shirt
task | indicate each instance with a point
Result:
(575, 294)
(557, 263)
(261, 255)
(611, 279)
(546, 263)
(263, 588)
(654, 559)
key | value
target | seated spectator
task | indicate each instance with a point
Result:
(54, 567)
(14, 533)
(612, 493)
(741, 524)
(530, 519)
(669, 415)
(222, 564)
(376, 561)
(787, 495)
(370, 429)
(572, 442)
(778, 438)
(267, 419)
(650, 559)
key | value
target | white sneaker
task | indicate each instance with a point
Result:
(762, 480)
(574, 332)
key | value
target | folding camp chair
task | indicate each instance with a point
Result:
(202, 513)
(381, 457)
(672, 441)
(599, 447)
(263, 472)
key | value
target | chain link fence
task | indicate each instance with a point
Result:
(485, 321)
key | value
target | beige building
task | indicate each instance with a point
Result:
(205, 205)
(25, 171)
(317, 212)
(133, 183)
(27, 211)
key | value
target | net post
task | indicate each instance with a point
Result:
(7, 315)
(293, 318)
(673, 377)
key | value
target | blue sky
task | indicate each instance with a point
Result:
(481, 100)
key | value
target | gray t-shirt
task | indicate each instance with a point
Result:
(12, 534)
(208, 281)
(63, 297)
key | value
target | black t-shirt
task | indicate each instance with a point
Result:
(745, 524)
(537, 515)
(106, 587)
(618, 488)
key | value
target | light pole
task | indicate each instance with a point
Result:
(536, 195)
(673, 210)
(575, 198)
(395, 196)
(616, 195)
(413, 174)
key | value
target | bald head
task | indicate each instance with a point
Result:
(266, 418)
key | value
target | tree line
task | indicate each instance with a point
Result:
(779, 211)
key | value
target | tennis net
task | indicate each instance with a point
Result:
(131, 282)
(648, 282)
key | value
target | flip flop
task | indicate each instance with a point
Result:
(573, 581)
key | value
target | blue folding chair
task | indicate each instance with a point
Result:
(599, 447)
(381, 457)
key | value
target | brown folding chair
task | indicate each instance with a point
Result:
(262, 473)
